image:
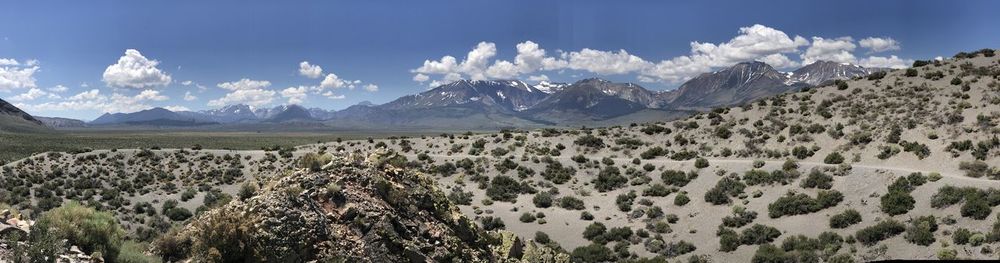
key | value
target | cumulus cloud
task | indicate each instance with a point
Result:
(152, 95)
(252, 97)
(189, 97)
(244, 84)
(879, 44)
(32, 94)
(538, 78)
(332, 82)
(309, 70)
(13, 75)
(176, 108)
(59, 89)
(133, 70)
(893, 62)
(295, 95)
(332, 96)
(476, 62)
(606, 62)
(836, 50)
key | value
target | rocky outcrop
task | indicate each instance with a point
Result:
(355, 208)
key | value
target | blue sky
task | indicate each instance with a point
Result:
(72, 58)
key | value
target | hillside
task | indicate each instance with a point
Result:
(13, 119)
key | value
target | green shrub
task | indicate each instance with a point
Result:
(681, 199)
(759, 234)
(571, 203)
(897, 202)
(883, 230)
(589, 141)
(724, 189)
(845, 219)
(768, 253)
(833, 158)
(542, 199)
(504, 188)
(701, 163)
(800, 203)
(921, 231)
(84, 227)
(817, 179)
(675, 178)
(910, 72)
(610, 178)
(592, 253)
(961, 236)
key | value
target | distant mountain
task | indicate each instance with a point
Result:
(489, 104)
(14, 119)
(231, 113)
(820, 72)
(57, 122)
(507, 95)
(590, 99)
(154, 117)
(740, 83)
(289, 113)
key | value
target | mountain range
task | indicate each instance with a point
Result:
(492, 104)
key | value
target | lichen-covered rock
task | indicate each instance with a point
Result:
(354, 210)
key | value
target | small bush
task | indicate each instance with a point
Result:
(878, 232)
(845, 219)
(833, 158)
(897, 202)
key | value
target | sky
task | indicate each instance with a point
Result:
(79, 59)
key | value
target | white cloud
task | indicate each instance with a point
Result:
(779, 61)
(333, 82)
(332, 96)
(502, 70)
(245, 84)
(474, 66)
(939, 58)
(295, 95)
(59, 88)
(885, 62)
(13, 76)
(606, 62)
(176, 108)
(371, 87)
(252, 97)
(153, 95)
(32, 94)
(186, 83)
(189, 97)
(420, 78)
(9, 62)
(94, 100)
(538, 78)
(135, 71)
(309, 70)
(836, 50)
(878, 44)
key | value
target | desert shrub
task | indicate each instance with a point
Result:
(724, 189)
(624, 201)
(877, 75)
(897, 202)
(723, 132)
(658, 190)
(592, 253)
(178, 214)
(817, 179)
(571, 203)
(798, 204)
(679, 248)
(760, 177)
(527, 217)
(956, 81)
(976, 207)
(841, 85)
(921, 231)
(504, 188)
(833, 158)
(610, 178)
(653, 153)
(92, 231)
(542, 199)
(675, 178)
(589, 141)
(681, 199)
(491, 223)
(910, 72)
(878, 232)
(557, 173)
(739, 218)
(460, 197)
(801, 152)
(975, 169)
(729, 240)
(845, 219)
(654, 129)
(961, 236)
(768, 253)
(314, 161)
(594, 230)
(759, 234)
(701, 163)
